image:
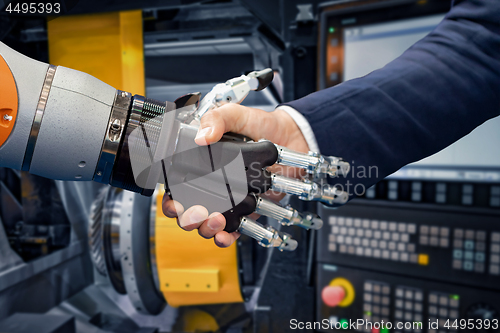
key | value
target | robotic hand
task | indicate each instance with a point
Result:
(243, 191)
(68, 125)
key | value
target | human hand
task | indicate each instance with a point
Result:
(276, 126)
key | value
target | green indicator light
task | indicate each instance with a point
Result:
(331, 30)
(384, 330)
(455, 297)
(344, 324)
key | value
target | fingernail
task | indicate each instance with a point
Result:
(202, 133)
(198, 215)
(214, 224)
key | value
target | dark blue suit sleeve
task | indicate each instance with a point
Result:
(438, 91)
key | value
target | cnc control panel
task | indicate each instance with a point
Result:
(404, 304)
(453, 245)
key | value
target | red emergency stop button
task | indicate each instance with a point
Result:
(332, 295)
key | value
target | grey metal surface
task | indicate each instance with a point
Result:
(37, 121)
(73, 128)
(8, 258)
(25, 271)
(29, 75)
(134, 248)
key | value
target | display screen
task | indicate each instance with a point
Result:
(355, 45)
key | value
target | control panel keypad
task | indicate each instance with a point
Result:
(376, 302)
(443, 307)
(408, 308)
(494, 268)
(373, 238)
(469, 250)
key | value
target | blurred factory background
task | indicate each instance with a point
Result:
(423, 244)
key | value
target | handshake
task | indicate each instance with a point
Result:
(223, 164)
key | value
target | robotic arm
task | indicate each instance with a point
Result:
(68, 125)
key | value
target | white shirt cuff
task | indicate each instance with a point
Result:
(303, 125)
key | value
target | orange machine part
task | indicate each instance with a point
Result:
(8, 101)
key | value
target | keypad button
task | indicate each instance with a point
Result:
(469, 245)
(367, 297)
(419, 296)
(343, 231)
(434, 231)
(469, 234)
(444, 232)
(383, 225)
(458, 243)
(343, 249)
(433, 299)
(386, 235)
(374, 224)
(468, 266)
(433, 241)
(351, 249)
(481, 235)
(453, 314)
(408, 306)
(395, 237)
(495, 259)
(480, 256)
(481, 246)
(377, 253)
(404, 257)
(443, 312)
(332, 247)
(386, 300)
(368, 286)
(357, 223)
(368, 233)
(495, 237)
(392, 246)
(360, 232)
(443, 242)
(458, 233)
(332, 220)
(405, 238)
(366, 224)
(412, 228)
(341, 240)
(376, 310)
(359, 251)
(382, 244)
(341, 221)
(414, 258)
(495, 248)
(494, 269)
(400, 293)
(402, 227)
(458, 254)
(351, 231)
(368, 252)
(386, 290)
(478, 267)
(408, 316)
(365, 242)
(410, 247)
(424, 229)
(399, 303)
(454, 303)
(386, 254)
(409, 294)
(385, 312)
(424, 240)
(393, 226)
(376, 299)
(418, 307)
(395, 256)
(401, 247)
(398, 314)
(356, 241)
(457, 264)
(417, 318)
(469, 255)
(443, 300)
(376, 288)
(377, 235)
(374, 243)
(432, 310)
(367, 307)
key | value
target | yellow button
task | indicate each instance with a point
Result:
(423, 259)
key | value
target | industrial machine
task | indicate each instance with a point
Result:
(417, 252)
